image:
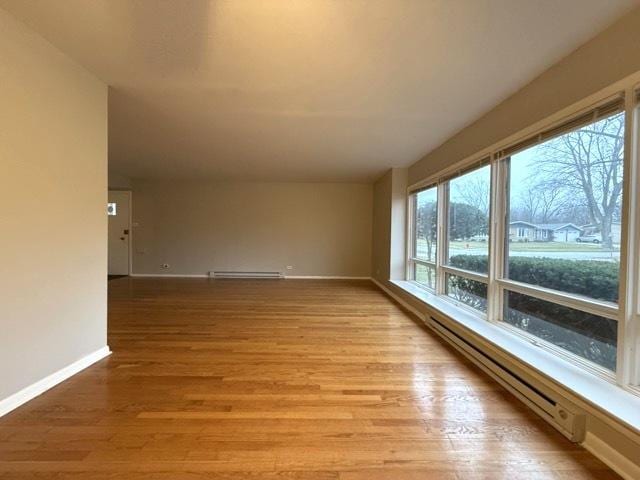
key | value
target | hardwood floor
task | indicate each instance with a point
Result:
(293, 379)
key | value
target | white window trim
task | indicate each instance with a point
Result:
(412, 258)
(478, 277)
(584, 304)
(442, 239)
(628, 312)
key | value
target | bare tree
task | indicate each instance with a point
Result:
(587, 165)
(541, 202)
(474, 191)
(426, 226)
(527, 207)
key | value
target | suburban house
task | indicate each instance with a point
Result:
(520, 231)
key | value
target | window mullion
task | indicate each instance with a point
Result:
(411, 241)
(442, 238)
(593, 307)
(498, 219)
(633, 210)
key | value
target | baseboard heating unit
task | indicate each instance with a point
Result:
(231, 274)
(570, 424)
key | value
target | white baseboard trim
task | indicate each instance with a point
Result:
(398, 299)
(32, 391)
(324, 277)
(611, 457)
(291, 277)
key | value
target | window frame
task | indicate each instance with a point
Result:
(412, 258)
(442, 245)
(626, 312)
(628, 374)
(443, 268)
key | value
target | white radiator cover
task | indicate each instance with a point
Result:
(236, 274)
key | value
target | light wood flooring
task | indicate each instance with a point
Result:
(284, 379)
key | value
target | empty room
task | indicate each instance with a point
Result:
(320, 239)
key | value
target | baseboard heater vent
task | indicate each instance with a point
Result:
(570, 424)
(229, 274)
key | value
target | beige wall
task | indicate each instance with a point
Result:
(388, 242)
(318, 228)
(381, 238)
(53, 184)
(398, 243)
(119, 182)
(609, 57)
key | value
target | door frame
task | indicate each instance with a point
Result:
(130, 222)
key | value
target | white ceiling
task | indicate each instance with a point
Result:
(312, 90)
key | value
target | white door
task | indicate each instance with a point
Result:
(118, 210)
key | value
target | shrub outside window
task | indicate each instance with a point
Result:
(471, 293)
(589, 336)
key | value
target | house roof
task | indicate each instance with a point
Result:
(546, 226)
(557, 226)
(593, 225)
(520, 222)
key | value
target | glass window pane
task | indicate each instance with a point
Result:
(589, 336)
(468, 221)
(469, 292)
(426, 224)
(425, 275)
(565, 211)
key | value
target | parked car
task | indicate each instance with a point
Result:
(479, 238)
(592, 238)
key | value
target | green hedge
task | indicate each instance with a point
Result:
(591, 278)
(589, 336)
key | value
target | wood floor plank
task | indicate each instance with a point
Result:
(293, 379)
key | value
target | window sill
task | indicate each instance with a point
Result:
(607, 397)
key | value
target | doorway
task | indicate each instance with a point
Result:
(119, 213)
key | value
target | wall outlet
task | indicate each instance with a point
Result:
(289, 267)
(165, 266)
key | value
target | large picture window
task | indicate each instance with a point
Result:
(532, 237)
(563, 234)
(565, 199)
